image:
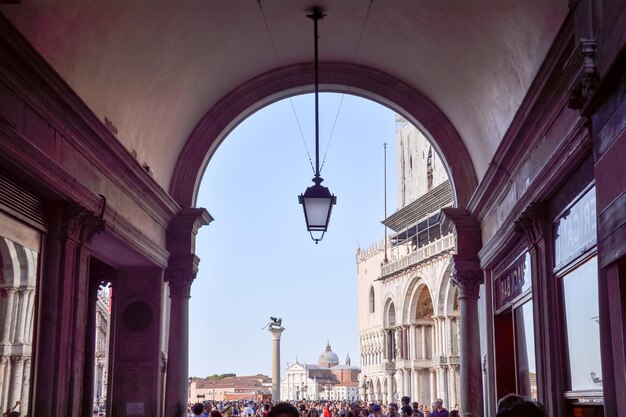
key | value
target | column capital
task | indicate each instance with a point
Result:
(534, 222)
(181, 243)
(467, 275)
(276, 332)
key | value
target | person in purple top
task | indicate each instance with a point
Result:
(438, 410)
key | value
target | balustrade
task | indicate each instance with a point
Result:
(420, 254)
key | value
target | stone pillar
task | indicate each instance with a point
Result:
(3, 365)
(452, 382)
(433, 385)
(411, 342)
(441, 384)
(61, 335)
(178, 345)
(468, 276)
(389, 398)
(18, 371)
(397, 334)
(26, 387)
(423, 331)
(6, 332)
(433, 340)
(407, 382)
(415, 385)
(401, 380)
(182, 270)
(276, 331)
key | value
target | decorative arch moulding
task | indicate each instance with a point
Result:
(339, 77)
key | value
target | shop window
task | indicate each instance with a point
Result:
(576, 271)
(580, 296)
(516, 370)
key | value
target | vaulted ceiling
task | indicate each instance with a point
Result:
(154, 68)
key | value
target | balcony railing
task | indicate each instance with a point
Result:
(421, 254)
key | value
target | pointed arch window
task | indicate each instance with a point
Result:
(372, 302)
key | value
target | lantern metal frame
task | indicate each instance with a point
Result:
(317, 191)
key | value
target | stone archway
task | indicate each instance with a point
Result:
(334, 77)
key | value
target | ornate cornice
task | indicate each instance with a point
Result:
(533, 223)
(80, 224)
(584, 62)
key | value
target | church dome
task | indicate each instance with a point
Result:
(328, 358)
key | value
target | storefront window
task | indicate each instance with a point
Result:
(516, 371)
(580, 291)
(525, 350)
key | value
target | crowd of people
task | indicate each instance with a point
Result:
(510, 406)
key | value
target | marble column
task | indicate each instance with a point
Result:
(401, 382)
(390, 397)
(415, 385)
(453, 399)
(6, 332)
(178, 346)
(182, 270)
(18, 371)
(407, 382)
(276, 331)
(441, 384)
(26, 387)
(397, 332)
(433, 385)
(3, 370)
(433, 340)
(468, 276)
(423, 334)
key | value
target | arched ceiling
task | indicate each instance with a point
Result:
(154, 68)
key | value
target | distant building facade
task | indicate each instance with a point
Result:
(232, 388)
(328, 380)
(408, 309)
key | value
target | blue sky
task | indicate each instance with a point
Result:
(258, 259)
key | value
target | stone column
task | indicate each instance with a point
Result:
(6, 332)
(453, 399)
(411, 332)
(423, 330)
(26, 387)
(389, 395)
(182, 270)
(441, 384)
(468, 276)
(276, 331)
(18, 372)
(3, 364)
(178, 345)
(433, 385)
(407, 382)
(401, 380)
(415, 392)
(397, 334)
(433, 339)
